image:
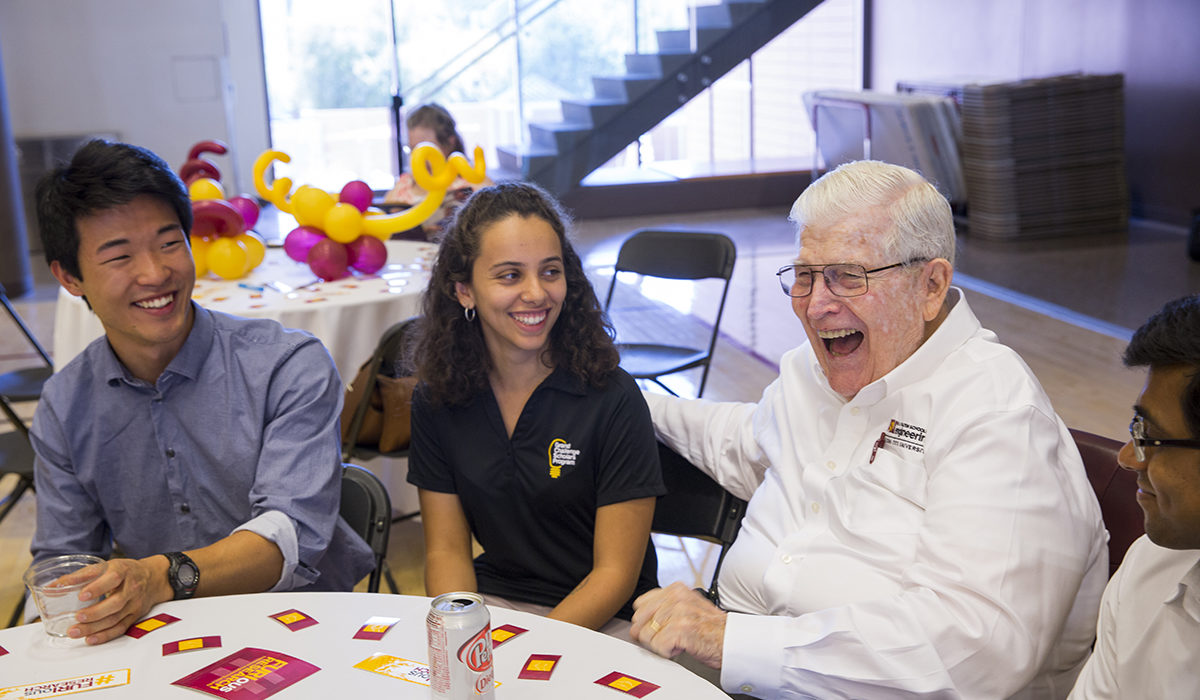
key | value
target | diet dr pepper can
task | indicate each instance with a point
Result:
(459, 629)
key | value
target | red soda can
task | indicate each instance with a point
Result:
(459, 629)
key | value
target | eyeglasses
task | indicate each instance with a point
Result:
(841, 279)
(1137, 430)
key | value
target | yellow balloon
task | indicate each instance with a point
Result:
(310, 204)
(255, 247)
(200, 254)
(277, 193)
(227, 258)
(205, 188)
(343, 222)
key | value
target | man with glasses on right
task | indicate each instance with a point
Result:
(920, 523)
(1148, 637)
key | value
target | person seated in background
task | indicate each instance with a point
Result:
(1149, 628)
(920, 522)
(526, 435)
(202, 445)
(432, 123)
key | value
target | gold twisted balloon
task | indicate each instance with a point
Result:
(432, 171)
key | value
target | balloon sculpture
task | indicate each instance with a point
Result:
(222, 241)
(336, 233)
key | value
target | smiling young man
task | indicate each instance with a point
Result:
(1149, 628)
(920, 523)
(203, 446)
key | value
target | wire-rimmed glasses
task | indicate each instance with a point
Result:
(841, 279)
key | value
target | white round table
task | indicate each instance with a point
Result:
(348, 315)
(244, 621)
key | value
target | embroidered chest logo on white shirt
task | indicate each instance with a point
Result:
(560, 454)
(906, 435)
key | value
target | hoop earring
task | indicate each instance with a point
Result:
(469, 313)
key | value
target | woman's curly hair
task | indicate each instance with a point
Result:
(451, 357)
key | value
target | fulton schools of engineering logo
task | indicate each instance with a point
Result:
(560, 455)
(906, 435)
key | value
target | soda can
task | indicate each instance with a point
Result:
(459, 629)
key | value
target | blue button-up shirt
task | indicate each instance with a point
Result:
(240, 432)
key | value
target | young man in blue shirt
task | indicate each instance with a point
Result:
(202, 445)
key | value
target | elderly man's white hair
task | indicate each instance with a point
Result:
(922, 225)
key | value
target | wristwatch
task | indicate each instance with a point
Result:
(183, 574)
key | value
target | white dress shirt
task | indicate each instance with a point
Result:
(964, 557)
(1148, 639)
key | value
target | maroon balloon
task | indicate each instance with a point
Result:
(357, 193)
(367, 254)
(248, 207)
(328, 259)
(300, 241)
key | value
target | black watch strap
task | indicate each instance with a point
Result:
(183, 574)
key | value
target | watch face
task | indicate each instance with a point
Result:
(188, 574)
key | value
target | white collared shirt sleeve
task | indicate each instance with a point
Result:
(1149, 628)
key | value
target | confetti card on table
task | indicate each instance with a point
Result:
(396, 667)
(145, 627)
(628, 684)
(538, 667)
(191, 644)
(293, 619)
(68, 686)
(504, 633)
(248, 673)
(375, 627)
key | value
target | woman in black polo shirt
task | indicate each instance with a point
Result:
(525, 432)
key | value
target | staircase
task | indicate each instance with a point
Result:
(593, 130)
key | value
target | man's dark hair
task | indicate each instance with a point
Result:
(1171, 338)
(101, 175)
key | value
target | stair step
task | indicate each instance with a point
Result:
(661, 64)
(713, 17)
(592, 111)
(623, 87)
(556, 136)
(677, 40)
(524, 160)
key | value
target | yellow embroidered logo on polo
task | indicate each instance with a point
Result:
(560, 454)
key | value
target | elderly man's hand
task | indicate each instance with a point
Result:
(129, 596)
(676, 619)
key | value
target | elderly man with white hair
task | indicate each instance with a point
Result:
(920, 523)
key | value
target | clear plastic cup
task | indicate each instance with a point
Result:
(56, 597)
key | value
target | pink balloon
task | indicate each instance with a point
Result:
(328, 259)
(367, 254)
(248, 208)
(357, 193)
(300, 241)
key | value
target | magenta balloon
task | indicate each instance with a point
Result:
(248, 207)
(357, 193)
(300, 241)
(367, 254)
(328, 259)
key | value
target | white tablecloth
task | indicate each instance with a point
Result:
(348, 315)
(242, 621)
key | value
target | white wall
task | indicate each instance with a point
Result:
(162, 74)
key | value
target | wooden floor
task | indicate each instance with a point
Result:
(1079, 367)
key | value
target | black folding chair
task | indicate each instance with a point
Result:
(680, 255)
(23, 384)
(696, 506)
(393, 357)
(367, 508)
